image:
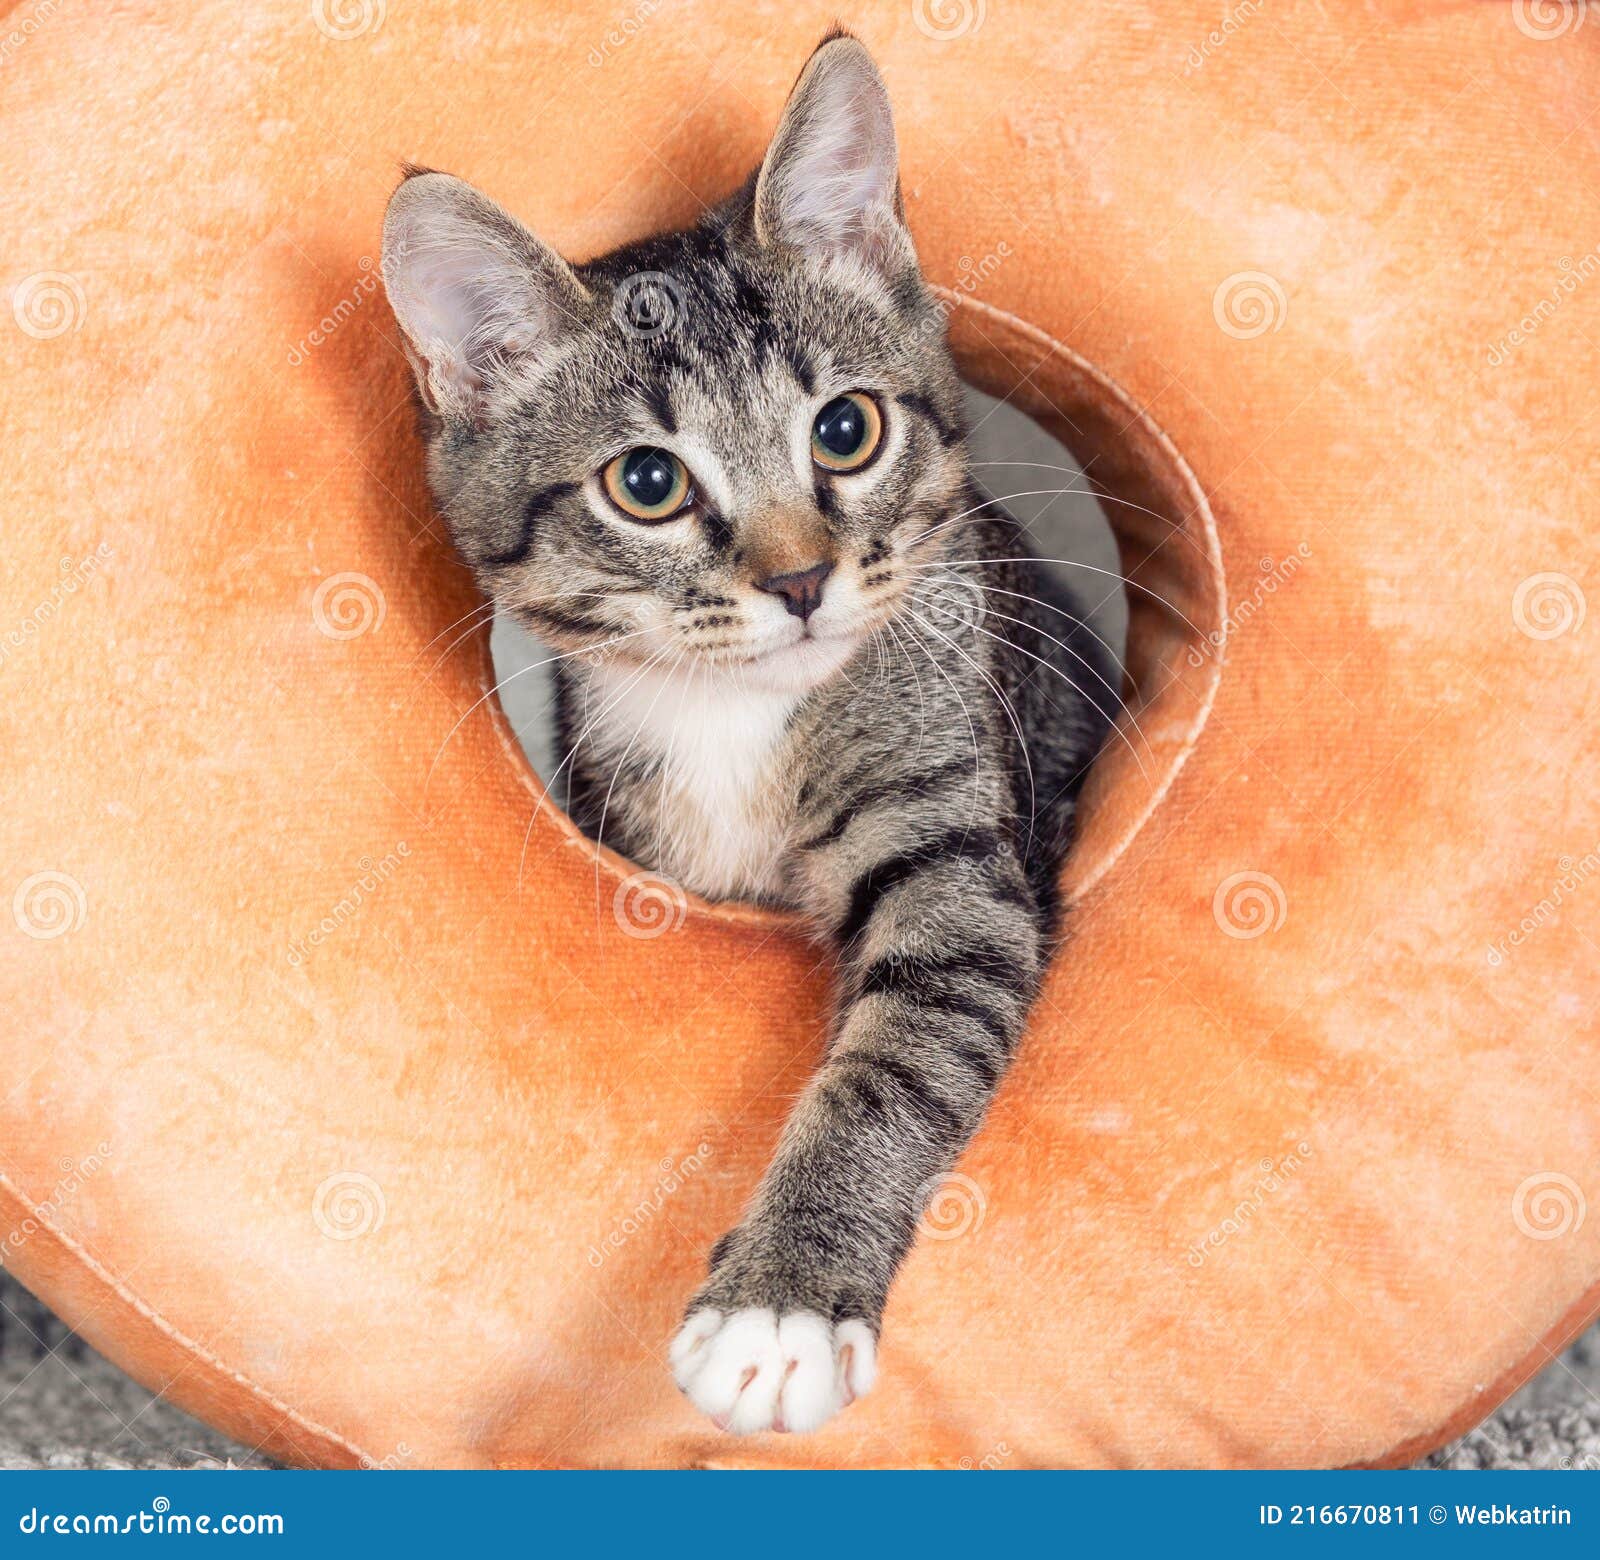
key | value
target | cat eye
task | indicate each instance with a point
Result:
(648, 484)
(847, 432)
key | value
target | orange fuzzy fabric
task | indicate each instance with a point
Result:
(1292, 1169)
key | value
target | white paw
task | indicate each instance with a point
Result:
(751, 1370)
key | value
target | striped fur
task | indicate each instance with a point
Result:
(902, 769)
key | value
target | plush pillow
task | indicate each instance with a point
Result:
(353, 1104)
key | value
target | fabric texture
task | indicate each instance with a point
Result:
(358, 1108)
(63, 1406)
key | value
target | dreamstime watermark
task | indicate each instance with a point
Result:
(47, 905)
(671, 1177)
(1573, 874)
(632, 622)
(1548, 605)
(946, 20)
(1548, 1205)
(325, 328)
(398, 1458)
(160, 1519)
(647, 304)
(647, 905)
(342, 20)
(347, 1205)
(1249, 304)
(948, 602)
(75, 575)
(1274, 573)
(1249, 904)
(48, 304)
(1573, 274)
(624, 32)
(74, 1173)
(955, 1206)
(1545, 19)
(348, 605)
(373, 875)
(996, 1457)
(1275, 1174)
(970, 276)
(1219, 35)
(24, 29)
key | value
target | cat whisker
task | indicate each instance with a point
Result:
(977, 757)
(922, 701)
(1005, 704)
(1095, 493)
(1098, 494)
(549, 782)
(995, 499)
(995, 590)
(1125, 712)
(1082, 693)
(685, 686)
(1050, 606)
(605, 808)
(486, 605)
(1072, 563)
(491, 606)
(522, 671)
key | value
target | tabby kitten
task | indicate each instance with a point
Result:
(725, 469)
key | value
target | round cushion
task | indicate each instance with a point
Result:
(355, 1105)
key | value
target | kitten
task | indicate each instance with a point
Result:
(818, 670)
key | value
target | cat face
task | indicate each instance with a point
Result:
(722, 450)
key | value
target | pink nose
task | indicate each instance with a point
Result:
(801, 590)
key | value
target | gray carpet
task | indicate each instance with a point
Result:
(63, 1406)
(1554, 1422)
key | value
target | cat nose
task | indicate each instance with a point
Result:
(801, 590)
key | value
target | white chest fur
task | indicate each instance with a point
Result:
(720, 814)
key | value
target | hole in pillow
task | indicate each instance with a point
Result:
(1153, 546)
(1019, 463)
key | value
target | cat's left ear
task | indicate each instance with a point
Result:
(830, 184)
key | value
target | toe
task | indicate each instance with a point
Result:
(739, 1381)
(688, 1351)
(810, 1395)
(857, 1351)
(756, 1404)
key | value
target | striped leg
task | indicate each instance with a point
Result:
(941, 955)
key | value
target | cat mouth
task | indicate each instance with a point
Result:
(804, 662)
(805, 643)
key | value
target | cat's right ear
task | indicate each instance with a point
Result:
(476, 294)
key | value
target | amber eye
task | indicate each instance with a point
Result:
(648, 484)
(847, 432)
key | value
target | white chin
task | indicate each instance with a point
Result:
(796, 668)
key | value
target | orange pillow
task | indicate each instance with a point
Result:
(353, 1105)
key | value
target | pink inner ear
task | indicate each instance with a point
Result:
(467, 286)
(833, 168)
(830, 189)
